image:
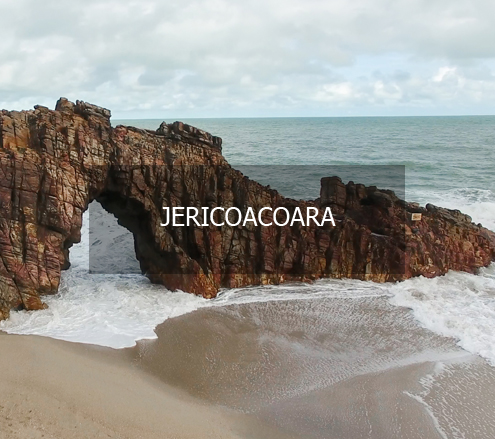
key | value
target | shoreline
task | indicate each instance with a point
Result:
(365, 370)
(60, 389)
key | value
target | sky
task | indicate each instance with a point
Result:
(251, 58)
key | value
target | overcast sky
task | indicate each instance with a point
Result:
(244, 58)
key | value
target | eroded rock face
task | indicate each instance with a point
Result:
(54, 163)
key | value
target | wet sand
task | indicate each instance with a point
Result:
(323, 369)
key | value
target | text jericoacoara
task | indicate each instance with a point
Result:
(266, 216)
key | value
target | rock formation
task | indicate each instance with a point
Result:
(54, 163)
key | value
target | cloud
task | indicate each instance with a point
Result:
(219, 58)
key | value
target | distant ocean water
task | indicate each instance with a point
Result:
(449, 161)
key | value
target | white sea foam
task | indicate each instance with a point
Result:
(110, 310)
(477, 203)
(326, 288)
(457, 305)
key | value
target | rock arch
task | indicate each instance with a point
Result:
(54, 163)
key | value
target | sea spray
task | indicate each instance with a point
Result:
(457, 305)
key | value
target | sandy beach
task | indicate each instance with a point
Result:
(55, 389)
(336, 368)
(333, 368)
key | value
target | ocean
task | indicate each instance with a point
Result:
(449, 161)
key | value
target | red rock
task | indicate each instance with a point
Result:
(54, 163)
